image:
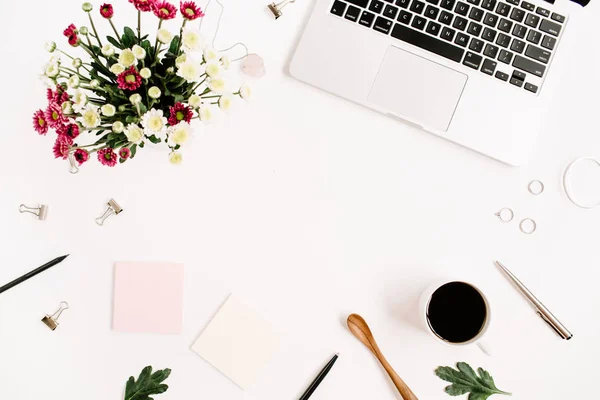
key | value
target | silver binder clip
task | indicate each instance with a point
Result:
(113, 209)
(51, 321)
(41, 211)
(276, 8)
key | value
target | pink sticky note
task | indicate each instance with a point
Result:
(148, 298)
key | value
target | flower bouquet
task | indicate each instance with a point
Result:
(129, 89)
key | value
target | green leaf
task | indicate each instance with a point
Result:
(133, 151)
(174, 45)
(464, 380)
(114, 42)
(128, 39)
(154, 139)
(147, 384)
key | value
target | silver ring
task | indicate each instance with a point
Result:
(528, 231)
(539, 190)
(569, 190)
(505, 215)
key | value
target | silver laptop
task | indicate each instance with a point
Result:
(479, 73)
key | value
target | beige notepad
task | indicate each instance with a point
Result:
(238, 342)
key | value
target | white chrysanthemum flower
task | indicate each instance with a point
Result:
(49, 83)
(154, 92)
(135, 99)
(94, 83)
(145, 73)
(225, 62)
(213, 69)
(175, 158)
(77, 63)
(164, 36)
(225, 102)
(195, 101)
(180, 134)
(50, 47)
(139, 52)
(118, 127)
(117, 69)
(216, 85)
(180, 60)
(205, 113)
(246, 92)
(134, 133)
(210, 54)
(52, 70)
(67, 108)
(108, 110)
(54, 59)
(108, 50)
(127, 58)
(155, 123)
(192, 40)
(190, 70)
(73, 82)
(90, 117)
(79, 100)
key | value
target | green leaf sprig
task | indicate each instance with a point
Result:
(465, 380)
(147, 384)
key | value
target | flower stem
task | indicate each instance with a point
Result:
(115, 29)
(139, 29)
(180, 37)
(156, 44)
(94, 29)
(66, 54)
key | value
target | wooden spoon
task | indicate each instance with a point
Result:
(360, 329)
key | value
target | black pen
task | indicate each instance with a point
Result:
(313, 386)
(32, 273)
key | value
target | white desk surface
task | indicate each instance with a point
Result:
(310, 208)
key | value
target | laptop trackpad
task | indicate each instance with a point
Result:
(417, 89)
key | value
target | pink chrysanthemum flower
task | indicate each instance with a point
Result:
(62, 146)
(143, 5)
(164, 10)
(39, 122)
(190, 10)
(107, 157)
(71, 33)
(58, 97)
(54, 116)
(70, 130)
(81, 156)
(129, 79)
(179, 113)
(106, 10)
(73, 40)
(125, 153)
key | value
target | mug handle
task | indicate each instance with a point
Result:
(484, 347)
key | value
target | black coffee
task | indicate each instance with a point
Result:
(457, 312)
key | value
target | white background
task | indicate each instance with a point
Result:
(308, 207)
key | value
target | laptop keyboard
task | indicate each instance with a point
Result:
(480, 34)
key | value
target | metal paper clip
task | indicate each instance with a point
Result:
(51, 321)
(113, 209)
(276, 8)
(41, 211)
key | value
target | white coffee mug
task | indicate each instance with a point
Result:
(424, 307)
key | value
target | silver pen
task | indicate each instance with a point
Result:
(541, 310)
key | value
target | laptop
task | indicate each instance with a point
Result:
(479, 73)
